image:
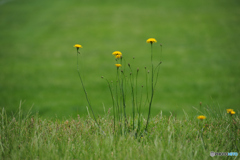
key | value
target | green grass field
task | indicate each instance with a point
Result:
(168, 137)
(200, 58)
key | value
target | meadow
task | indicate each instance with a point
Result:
(200, 60)
(44, 113)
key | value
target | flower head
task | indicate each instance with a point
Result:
(118, 56)
(77, 46)
(232, 112)
(151, 40)
(117, 53)
(201, 117)
(229, 110)
(118, 65)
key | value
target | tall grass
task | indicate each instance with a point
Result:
(32, 137)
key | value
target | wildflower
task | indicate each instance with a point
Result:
(118, 65)
(232, 112)
(229, 110)
(117, 53)
(77, 46)
(201, 117)
(118, 56)
(151, 40)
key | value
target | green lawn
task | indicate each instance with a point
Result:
(38, 62)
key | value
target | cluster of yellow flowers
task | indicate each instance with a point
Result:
(118, 55)
(230, 111)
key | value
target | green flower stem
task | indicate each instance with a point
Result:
(123, 98)
(133, 97)
(147, 98)
(133, 100)
(136, 90)
(85, 91)
(157, 68)
(117, 98)
(123, 94)
(139, 113)
(114, 118)
(150, 103)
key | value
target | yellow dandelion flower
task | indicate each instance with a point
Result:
(118, 65)
(201, 117)
(77, 46)
(118, 56)
(117, 53)
(151, 40)
(232, 112)
(229, 110)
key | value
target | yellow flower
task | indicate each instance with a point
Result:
(117, 53)
(118, 65)
(232, 112)
(229, 110)
(151, 40)
(201, 117)
(118, 56)
(77, 46)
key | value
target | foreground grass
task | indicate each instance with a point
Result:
(32, 137)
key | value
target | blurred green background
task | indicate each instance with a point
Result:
(38, 61)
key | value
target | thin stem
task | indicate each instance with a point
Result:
(133, 99)
(136, 89)
(86, 92)
(136, 103)
(147, 100)
(117, 98)
(157, 67)
(139, 113)
(150, 103)
(112, 102)
(123, 98)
